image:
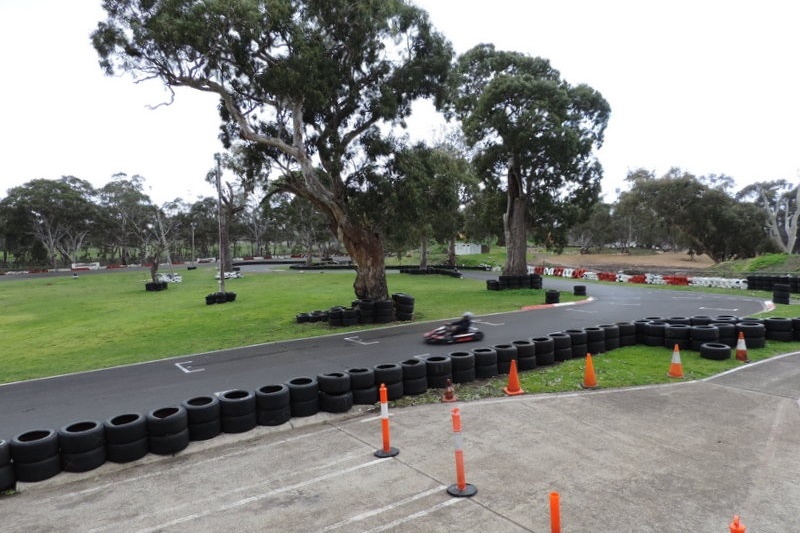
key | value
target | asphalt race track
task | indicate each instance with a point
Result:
(98, 395)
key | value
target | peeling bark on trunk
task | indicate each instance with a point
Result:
(366, 250)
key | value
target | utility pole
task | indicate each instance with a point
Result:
(218, 158)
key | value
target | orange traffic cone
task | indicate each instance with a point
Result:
(449, 393)
(741, 349)
(513, 388)
(675, 367)
(736, 526)
(589, 378)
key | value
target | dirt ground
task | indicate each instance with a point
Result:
(675, 262)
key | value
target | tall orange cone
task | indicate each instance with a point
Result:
(675, 367)
(736, 526)
(741, 349)
(513, 388)
(589, 378)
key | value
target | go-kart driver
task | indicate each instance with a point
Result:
(462, 325)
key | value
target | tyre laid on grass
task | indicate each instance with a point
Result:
(505, 353)
(611, 336)
(677, 334)
(727, 333)
(778, 329)
(627, 333)
(715, 351)
(463, 365)
(595, 340)
(754, 333)
(485, 362)
(35, 455)
(526, 354)
(545, 350)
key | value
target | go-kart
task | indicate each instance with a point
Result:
(443, 335)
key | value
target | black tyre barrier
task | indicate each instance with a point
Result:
(677, 320)
(492, 285)
(505, 353)
(525, 348)
(464, 376)
(275, 416)
(552, 297)
(462, 361)
(239, 423)
(726, 318)
(704, 333)
(335, 316)
(403, 299)
(336, 403)
(727, 333)
(127, 452)
(779, 329)
(577, 336)
(170, 443)
(561, 340)
(34, 446)
(5, 452)
(578, 344)
(485, 356)
(752, 330)
(414, 386)
(40, 470)
(404, 317)
(334, 382)
(83, 461)
(303, 389)
(640, 333)
(361, 378)
(654, 333)
(579, 290)
(388, 373)
(715, 350)
(80, 437)
(545, 350)
(303, 408)
(486, 371)
(563, 354)
(536, 281)
(205, 430)
(439, 370)
(579, 350)
(677, 334)
(125, 428)
(272, 397)
(366, 395)
(701, 320)
(796, 328)
(595, 340)
(413, 369)
(166, 421)
(201, 409)
(8, 481)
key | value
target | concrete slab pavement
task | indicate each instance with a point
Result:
(681, 457)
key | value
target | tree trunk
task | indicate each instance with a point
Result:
(451, 252)
(515, 227)
(423, 253)
(366, 250)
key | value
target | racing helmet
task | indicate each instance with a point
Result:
(469, 315)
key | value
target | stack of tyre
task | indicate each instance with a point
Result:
(415, 376)
(403, 306)
(384, 310)
(525, 354)
(526, 281)
(366, 311)
(463, 366)
(781, 293)
(335, 395)
(485, 363)
(35, 455)
(552, 297)
(362, 385)
(390, 375)
(82, 445)
(8, 481)
(167, 430)
(439, 371)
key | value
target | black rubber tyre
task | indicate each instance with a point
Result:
(361, 378)
(336, 403)
(679, 320)
(524, 348)
(628, 340)
(404, 317)
(561, 340)
(31, 472)
(579, 290)
(127, 452)
(205, 430)
(388, 373)
(577, 336)
(400, 308)
(274, 417)
(402, 298)
(334, 382)
(650, 340)
(677, 332)
(302, 389)
(166, 421)
(239, 423)
(81, 437)
(413, 369)
(201, 409)
(169, 443)
(464, 376)
(715, 350)
(461, 361)
(751, 330)
(725, 318)
(5, 452)
(486, 371)
(778, 324)
(414, 386)
(700, 320)
(612, 344)
(236, 403)
(440, 381)
(655, 329)
(439, 365)
(595, 334)
(781, 336)
(304, 408)
(394, 391)
(485, 356)
(726, 330)
(683, 344)
(125, 428)
(626, 329)
(505, 353)
(523, 363)
(579, 350)
(366, 395)
(301, 318)
(8, 481)
(34, 446)
(544, 345)
(611, 331)
(598, 347)
(272, 397)
(706, 333)
(552, 297)
(83, 461)
(562, 354)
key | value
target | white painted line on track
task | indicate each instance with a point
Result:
(184, 366)
(358, 340)
(414, 516)
(375, 512)
(718, 309)
(257, 497)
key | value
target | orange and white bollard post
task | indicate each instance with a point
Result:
(461, 488)
(386, 450)
(555, 513)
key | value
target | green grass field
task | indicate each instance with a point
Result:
(56, 325)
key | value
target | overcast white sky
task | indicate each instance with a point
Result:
(709, 86)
